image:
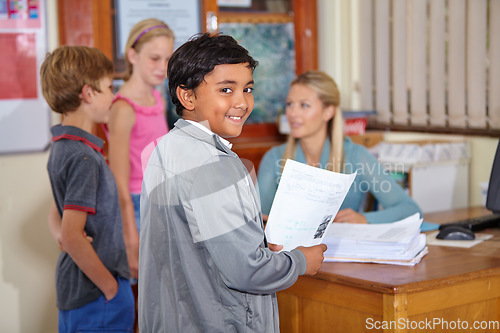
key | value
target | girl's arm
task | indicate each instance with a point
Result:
(396, 203)
(120, 126)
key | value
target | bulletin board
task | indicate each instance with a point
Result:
(24, 114)
(272, 44)
(183, 17)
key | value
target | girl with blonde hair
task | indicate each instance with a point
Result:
(138, 118)
(316, 138)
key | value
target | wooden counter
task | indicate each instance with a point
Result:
(449, 284)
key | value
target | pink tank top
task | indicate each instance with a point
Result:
(150, 124)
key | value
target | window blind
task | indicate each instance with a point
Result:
(424, 63)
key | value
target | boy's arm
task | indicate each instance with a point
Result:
(75, 243)
(226, 218)
(55, 224)
(314, 256)
(247, 266)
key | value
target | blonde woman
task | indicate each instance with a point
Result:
(316, 138)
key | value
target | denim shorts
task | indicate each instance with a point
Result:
(101, 315)
(136, 200)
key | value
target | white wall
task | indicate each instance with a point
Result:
(28, 253)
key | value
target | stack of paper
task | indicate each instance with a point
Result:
(398, 243)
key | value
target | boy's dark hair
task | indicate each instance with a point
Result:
(66, 70)
(196, 58)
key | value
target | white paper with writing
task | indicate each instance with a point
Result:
(305, 204)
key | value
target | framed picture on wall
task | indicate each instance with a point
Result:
(183, 17)
(272, 44)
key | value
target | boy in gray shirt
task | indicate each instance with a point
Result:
(204, 263)
(93, 292)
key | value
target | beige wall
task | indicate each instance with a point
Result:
(27, 252)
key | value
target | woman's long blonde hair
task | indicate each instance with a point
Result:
(141, 33)
(329, 94)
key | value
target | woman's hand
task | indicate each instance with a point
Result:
(349, 216)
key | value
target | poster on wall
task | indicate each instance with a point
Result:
(24, 114)
(234, 3)
(183, 17)
(272, 44)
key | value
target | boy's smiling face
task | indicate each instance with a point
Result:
(223, 101)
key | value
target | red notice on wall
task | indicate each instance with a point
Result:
(355, 121)
(18, 68)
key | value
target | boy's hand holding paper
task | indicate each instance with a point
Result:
(305, 204)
